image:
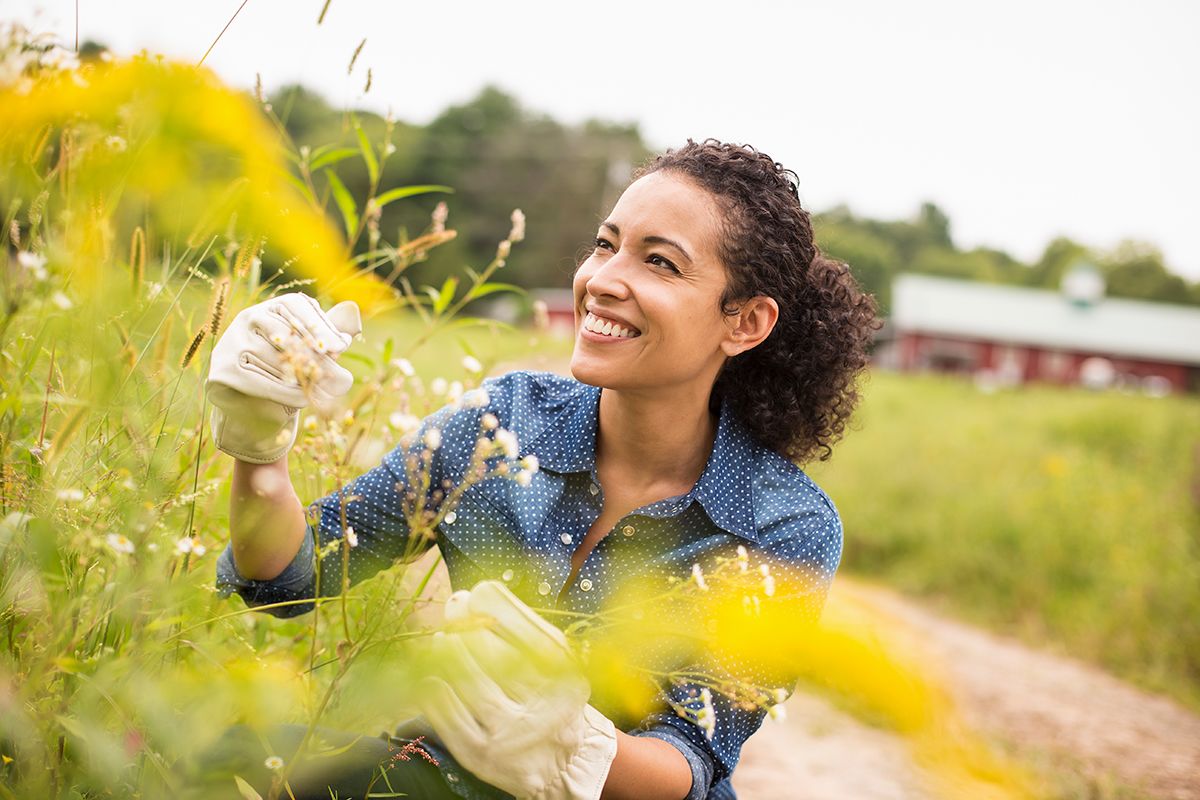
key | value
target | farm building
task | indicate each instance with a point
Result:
(1008, 335)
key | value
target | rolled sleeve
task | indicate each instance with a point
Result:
(296, 582)
(698, 760)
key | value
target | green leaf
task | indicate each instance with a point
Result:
(345, 203)
(301, 187)
(484, 289)
(332, 157)
(247, 791)
(368, 153)
(388, 347)
(446, 295)
(400, 192)
(475, 322)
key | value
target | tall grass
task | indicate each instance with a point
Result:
(1068, 518)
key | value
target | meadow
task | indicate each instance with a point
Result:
(1065, 517)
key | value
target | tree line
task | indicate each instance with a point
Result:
(499, 155)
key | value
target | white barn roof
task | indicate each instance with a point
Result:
(1044, 318)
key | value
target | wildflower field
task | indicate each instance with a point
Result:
(145, 204)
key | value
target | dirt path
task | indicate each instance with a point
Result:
(1043, 706)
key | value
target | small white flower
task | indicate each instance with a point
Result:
(742, 555)
(476, 398)
(389, 149)
(503, 249)
(185, 545)
(61, 300)
(765, 569)
(777, 713)
(70, 495)
(347, 418)
(769, 585)
(438, 386)
(119, 543)
(404, 422)
(779, 695)
(508, 440)
(455, 393)
(116, 144)
(523, 478)
(31, 261)
(273, 762)
(433, 438)
(310, 423)
(518, 226)
(698, 577)
(153, 289)
(351, 537)
(489, 422)
(198, 549)
(530, 463)
(405, 366)
(471, 364)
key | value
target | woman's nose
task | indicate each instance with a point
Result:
(607, 277)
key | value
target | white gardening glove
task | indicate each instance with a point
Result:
(253, 383)
(510, 701)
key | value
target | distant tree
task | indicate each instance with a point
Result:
(1058, 257)
(1136, 270)
(935, 224)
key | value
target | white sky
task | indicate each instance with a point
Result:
(1023, 119)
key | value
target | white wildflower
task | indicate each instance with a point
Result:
(698, 577)
(438, 386)
(523, 478)
(389, 149)
(743, 558)
(70, 495)
(404, 422)
(489, 422)
(61, 300)
(310, 423)
(503, 249)
(347, 418)
(153, 289)
(433, 438)
(508, 440)
(518, 226)
(405, 366)
(777, 713)
(455, 392)
(273, 762)
(779, 695)
(185, 545)
(34, 263)
(476, 398)
(351, 537)
(115, 143)
(471, 364)
(769, 585)
(119, 543)
(530, 463)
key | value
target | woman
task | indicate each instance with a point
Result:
(715, 348)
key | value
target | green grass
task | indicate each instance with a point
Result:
(1067, 518)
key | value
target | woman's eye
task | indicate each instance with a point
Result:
(603, 244)
(659, 261)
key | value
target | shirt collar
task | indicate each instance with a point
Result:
(725, 490)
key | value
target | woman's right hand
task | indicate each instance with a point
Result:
(273, 359)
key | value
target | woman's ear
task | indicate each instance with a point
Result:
(753, 323)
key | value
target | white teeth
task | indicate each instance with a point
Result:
(606, 327)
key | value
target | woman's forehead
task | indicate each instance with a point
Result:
(663, 204)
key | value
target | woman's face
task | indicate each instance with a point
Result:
(647, 300)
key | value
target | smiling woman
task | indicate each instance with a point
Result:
(716, 350)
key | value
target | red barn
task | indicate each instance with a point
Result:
(1008, 335)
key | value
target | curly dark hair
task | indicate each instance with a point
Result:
(796, 390)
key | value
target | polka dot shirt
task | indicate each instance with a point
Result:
(525, 536)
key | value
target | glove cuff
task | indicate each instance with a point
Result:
(257, 441)
(587, 770)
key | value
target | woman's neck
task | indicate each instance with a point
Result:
(653, 439)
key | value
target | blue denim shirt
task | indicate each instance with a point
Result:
(525, 535)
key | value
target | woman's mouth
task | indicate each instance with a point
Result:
(607, 327)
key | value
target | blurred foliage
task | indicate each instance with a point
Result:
(1065, 517)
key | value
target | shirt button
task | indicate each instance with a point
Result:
(566, 538)
(543, 588)
(451, 517)
(507, 575)
(585, 585)
(627, 530)
(594, 489)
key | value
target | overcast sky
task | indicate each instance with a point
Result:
(1022, 120)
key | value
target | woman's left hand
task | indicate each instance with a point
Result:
(510, 701)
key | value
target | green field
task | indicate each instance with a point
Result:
(1067, 518)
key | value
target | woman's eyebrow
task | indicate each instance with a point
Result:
(612, 226)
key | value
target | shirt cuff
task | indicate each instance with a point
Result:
(699, 762)
(296, 582)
